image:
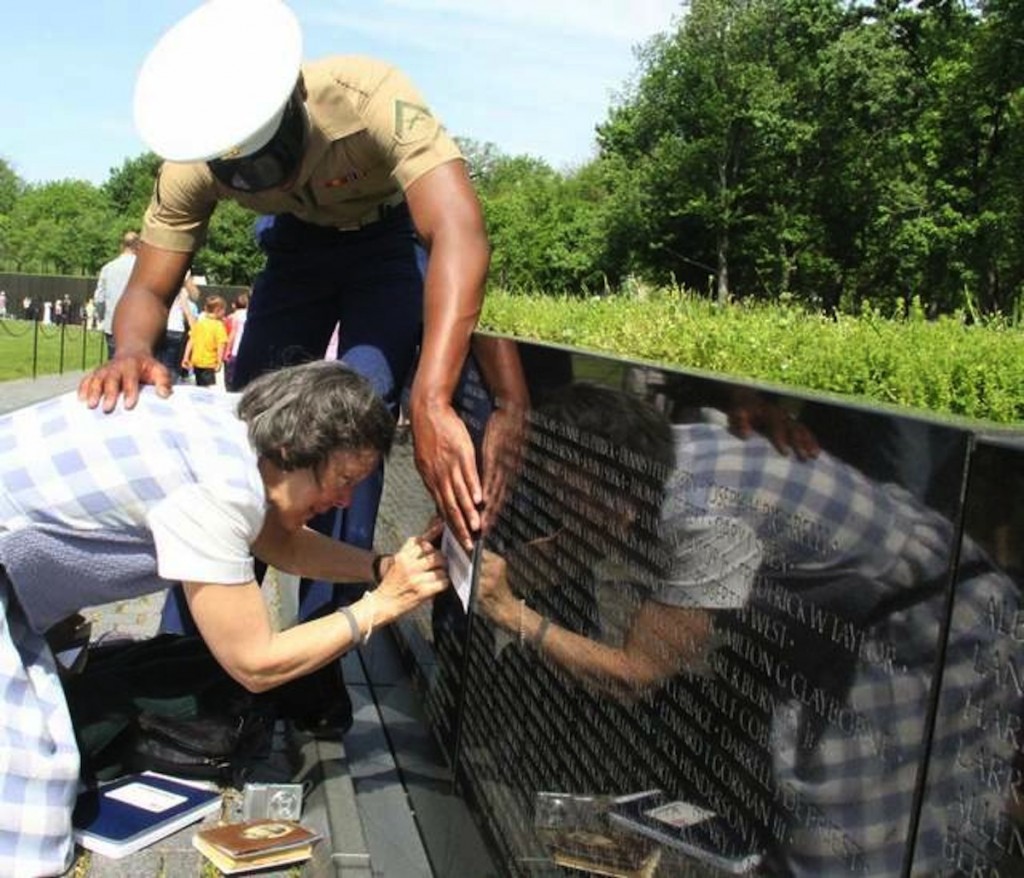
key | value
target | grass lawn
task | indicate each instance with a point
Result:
(51, 348)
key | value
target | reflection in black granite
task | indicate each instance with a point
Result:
(667, 605)
(973, 806)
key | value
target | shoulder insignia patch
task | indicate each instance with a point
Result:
(412, 121)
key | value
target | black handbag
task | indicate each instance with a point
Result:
(165, 704)
(220, 747)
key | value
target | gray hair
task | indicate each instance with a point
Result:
(299, 415)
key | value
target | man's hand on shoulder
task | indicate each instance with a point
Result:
(122, 376)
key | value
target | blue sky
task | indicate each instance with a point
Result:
(531, 76)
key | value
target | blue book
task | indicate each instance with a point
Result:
(130, 813)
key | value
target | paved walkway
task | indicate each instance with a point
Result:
(25, 391)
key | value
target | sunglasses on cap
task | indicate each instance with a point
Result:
(272, 164)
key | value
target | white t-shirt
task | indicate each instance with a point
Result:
(237, 328)
(98, 507)
(176, 317)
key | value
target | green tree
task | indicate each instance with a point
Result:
(870, 183)
(709, 124)
(840, 151)
(927, 185)
(230, 255)
(545, 228)
(63, 227)
(515, 193)
(11, 187)
(130, 187)
(616, 207)
(482, 157)
(781, 246)
(994, 167)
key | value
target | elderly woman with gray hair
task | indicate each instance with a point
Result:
(96, 508)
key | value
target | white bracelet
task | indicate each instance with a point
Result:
(373, 615)
(357, 635)
(522, 613)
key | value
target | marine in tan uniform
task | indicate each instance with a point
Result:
(369, 220)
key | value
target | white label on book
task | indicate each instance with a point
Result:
(146, 797)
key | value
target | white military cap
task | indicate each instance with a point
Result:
(216, 84)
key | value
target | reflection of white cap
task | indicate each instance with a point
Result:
(216, 84)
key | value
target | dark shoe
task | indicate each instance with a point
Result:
(317, 703)
(330, 724)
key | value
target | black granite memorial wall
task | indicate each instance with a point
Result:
(697, 648)
(971, 819)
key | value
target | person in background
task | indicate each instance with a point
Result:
(110, 285)
(236, 327)
(207, 343)
(3, 304)
(180, 318)
(227, 480)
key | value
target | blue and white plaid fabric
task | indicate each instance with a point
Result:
(64, 465)
(85, 482)
(850, 795)
(39, 762)
(77, 488)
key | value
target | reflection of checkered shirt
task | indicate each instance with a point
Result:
(81, 492)
(851, 796)
(820, 515)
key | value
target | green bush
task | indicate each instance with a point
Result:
(950, 366)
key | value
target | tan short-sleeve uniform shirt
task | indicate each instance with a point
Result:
(370, 136)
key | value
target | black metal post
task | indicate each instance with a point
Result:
(35, 348)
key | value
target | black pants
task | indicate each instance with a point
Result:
(204, 377)
(169, 353)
